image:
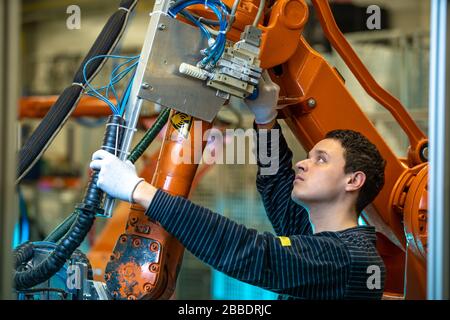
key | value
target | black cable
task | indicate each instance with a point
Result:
(62, 229)
(135, 154)
(85, 215)
(23, 254)
(58, 114)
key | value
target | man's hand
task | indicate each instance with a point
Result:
(264, 107)
(117, 178)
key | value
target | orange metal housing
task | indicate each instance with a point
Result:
(158, 280)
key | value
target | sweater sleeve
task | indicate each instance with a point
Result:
(275, 186)
(300, 266)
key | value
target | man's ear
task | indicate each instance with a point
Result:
(355, 181)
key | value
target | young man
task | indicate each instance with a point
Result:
(318, 253)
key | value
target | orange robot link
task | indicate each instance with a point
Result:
(314, 100)
(146, 259)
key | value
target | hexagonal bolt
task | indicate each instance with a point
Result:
(154, 247)
(311, 103)
(153, 267)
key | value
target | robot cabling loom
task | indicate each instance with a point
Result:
(209, 51)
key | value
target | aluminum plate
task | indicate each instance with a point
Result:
(176, 42)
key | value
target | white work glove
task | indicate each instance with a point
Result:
(264, 107)
(116, 177)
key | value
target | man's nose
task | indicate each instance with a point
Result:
(302, 165)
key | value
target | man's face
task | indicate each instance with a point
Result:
(320, 177)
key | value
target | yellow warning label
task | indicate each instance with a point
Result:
(285, 241)
(182, 123)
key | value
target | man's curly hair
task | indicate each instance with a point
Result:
(361, 155)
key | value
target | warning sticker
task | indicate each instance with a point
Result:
(182, 123)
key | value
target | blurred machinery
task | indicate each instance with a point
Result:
(193, 73)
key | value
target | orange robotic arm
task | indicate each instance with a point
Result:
(315, 101)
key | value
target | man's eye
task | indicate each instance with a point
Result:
(321, 160)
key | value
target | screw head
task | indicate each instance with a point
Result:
(154, 247)
(133, 220)
(146, 86)
(147, 287)
(312, 103)
(154, 267)
(161, 26)
(425, 153)
(136, 242)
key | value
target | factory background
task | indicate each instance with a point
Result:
(397, 56)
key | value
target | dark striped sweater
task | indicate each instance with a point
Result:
(294, 263)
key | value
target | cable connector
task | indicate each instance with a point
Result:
(252, 35)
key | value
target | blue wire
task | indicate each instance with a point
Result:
(113, 80)
(190, 17)
(217, 57)
(122, 75)
(110, 78)
(126, 96)
(111, 105)
(116, 79)
(223, 6)
(94, 92)
(216, 50)
(115, 70)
